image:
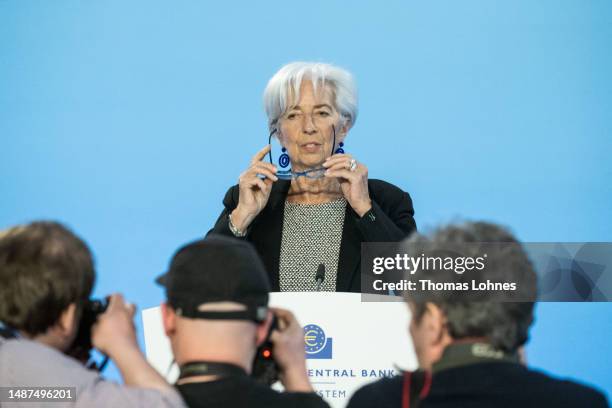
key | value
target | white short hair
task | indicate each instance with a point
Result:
(284, 89)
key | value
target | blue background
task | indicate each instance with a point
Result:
(129, 120)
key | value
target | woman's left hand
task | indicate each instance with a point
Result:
(353, 177)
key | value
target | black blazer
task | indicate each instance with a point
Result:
(391, 220)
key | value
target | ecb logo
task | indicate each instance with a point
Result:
(316, 344)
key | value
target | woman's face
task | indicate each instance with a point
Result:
(306, 129)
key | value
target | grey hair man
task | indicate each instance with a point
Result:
(468, 343)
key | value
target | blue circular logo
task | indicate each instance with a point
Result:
(339, 150)
(283, 160)
(314, 338)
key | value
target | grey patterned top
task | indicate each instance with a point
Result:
(311, 235)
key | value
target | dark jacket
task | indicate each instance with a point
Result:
(480, 385)
(244, 392)
(391, 220)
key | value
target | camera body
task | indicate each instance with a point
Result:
(82, 346)
(265, 370)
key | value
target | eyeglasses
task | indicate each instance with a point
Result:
(283, 161)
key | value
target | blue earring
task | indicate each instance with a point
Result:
(284, 159)
(340, 148)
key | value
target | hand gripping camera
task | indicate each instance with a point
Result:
(82, 346)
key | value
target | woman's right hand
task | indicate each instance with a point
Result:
(254, 191)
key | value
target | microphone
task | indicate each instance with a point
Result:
(320, 276)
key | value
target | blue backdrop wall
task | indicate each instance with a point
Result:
(129, 120)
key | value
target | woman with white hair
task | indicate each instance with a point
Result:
(315, 205)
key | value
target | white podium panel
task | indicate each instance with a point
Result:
(348, 342)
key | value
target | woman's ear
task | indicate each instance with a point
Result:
(345, 126)
(277, 134)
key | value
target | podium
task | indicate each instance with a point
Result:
(348, 342)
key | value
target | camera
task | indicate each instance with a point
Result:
(265, 370)
(81, 348)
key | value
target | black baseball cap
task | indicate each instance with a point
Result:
(217, 269)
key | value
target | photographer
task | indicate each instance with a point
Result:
(46, 278)
(469, 345)
(217, 317)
